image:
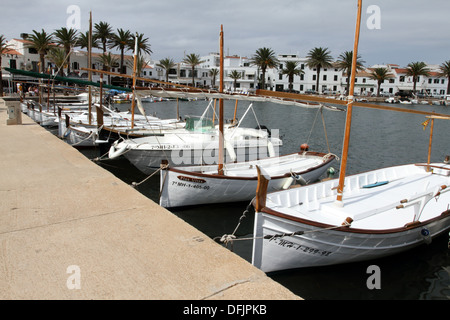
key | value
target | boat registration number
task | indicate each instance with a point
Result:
(292, 245)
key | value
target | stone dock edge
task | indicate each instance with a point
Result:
(71, 230)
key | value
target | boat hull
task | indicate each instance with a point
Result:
(322, 248)
(386, 219)
(149, 160)
(181, 187)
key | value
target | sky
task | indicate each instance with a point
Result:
(398, 32)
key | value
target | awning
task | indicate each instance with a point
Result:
(64, 79)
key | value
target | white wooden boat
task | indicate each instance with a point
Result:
(195, 144)
(194, 185)
(385, 212)
(355, 218)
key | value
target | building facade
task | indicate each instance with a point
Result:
(239, 74)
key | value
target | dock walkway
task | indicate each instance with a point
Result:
(71, 230)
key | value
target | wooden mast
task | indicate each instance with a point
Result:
(133, 102)
(90, 66)
(348, 121)
(221, 137)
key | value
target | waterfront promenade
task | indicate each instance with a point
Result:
(71, 230)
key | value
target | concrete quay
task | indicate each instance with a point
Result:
(70, 230)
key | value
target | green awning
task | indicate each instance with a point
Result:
(64, 79)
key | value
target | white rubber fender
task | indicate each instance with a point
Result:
(270, 149)
(115, 152)
(230, 150)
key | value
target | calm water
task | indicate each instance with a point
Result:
(378, 139)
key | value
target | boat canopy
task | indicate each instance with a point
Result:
(199, 124)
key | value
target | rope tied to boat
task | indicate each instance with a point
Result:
(135, 184)
(230, 238)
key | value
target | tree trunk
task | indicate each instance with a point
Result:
(317, 80)
(263, 80)
(448, 85)
(68, 61)
(1, 77)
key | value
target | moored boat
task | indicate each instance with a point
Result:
(386, 211)
(194, 185)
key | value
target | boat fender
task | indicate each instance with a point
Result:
(271, 149)
(426, 235)
(116, 152)
(304, 147)
(230, 150)
(66, 133)
(288, 183)
(300, 180)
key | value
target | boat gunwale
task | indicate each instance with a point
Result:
(349, 229)
(217, 176)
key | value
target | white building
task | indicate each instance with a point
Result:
(331, 80)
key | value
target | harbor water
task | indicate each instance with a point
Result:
(378, 139)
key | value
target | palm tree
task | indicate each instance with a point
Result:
(103, 32)
(319, 58)
(42, 43)
(58, 57)
(416, 69)
(141, 42)
(166, 64)
(83, 42)
(4, 47)
(344, 63)
(445, 72)
(235, 75)
(140, 64)
(108, 61)
(120, 40)
(264, 58)
(68, 39)
(192, 60)
(213, 73)
(380, 74)
(291, 71)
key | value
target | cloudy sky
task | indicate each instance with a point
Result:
(400, 31)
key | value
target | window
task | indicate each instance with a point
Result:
(324, 77)
(402, 79)
(280, 77)
(364, 80)
(302, 77)
(314, 77)
(430, 80)
(335, 79)
(302, 66)
(435, 80)
(442, 81)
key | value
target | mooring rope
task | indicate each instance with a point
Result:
(230, 238)
(135, 184)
